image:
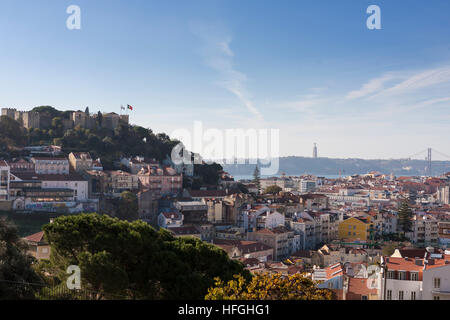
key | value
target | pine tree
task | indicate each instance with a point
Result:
(15, 265)
(257, 178)
(405, 217)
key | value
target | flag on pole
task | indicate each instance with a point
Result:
(122, 107)
(130, 107)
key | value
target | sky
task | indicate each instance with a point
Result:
(311, 69)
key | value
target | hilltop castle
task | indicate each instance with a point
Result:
(31, 119)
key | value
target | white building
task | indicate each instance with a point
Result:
(436, 282)
(171, 219)
(443, 195)
(424, 230)
(75, 183)
(425, 278)
(4, 180)
(270, 219)
(51, 165)
(307, 186)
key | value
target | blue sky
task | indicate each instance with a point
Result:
(309, 68)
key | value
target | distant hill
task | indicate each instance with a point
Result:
(331, 166)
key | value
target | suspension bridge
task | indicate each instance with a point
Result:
(428, 158)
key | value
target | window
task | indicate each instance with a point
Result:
(364, 298)
(413, 295)
(437, 283)
(389, 295)
(390, 274)
(402, 275)
(400, 295)
(414, 276)
(436, 298)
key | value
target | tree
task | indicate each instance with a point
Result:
(268, 287)
(11, 133)
(86, 111)
(99, 118)
(242, 188)
(128, 206)
(15, 265)
(389, 249)
(405, 216)
(125, 259)
(257, 178)
(272, 189)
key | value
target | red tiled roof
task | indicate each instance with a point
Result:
(49, 177)
(360, 286)
(186, 230)
(207, 193)
(36, 237)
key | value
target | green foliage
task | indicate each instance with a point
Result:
(207, 173)
(272, 189)
(257, 178)
(11, 133)
(389, 249)
(268, 287)
(15, 265)
(48, 111)
(242, 188)
(128, 206)
(133, 260)
(405, 216)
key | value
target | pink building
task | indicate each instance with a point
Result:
(162, 181)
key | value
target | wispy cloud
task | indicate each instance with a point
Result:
(374, 85)
(402, 83)
(219, 56)
(424, 79)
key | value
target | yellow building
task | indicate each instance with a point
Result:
(354, 229)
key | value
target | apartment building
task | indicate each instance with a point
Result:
(355, 228)
(313, 201)
(193, 211)
(119, 181)
(138, 163)
(21, 165)
(51, 165)
(81, 161)
(170, 219)
(444, 234)
(307, 229)
(4, 180)
(424, 230)
(283, 241)
(161, 181)
(443, 195)
(307, 186)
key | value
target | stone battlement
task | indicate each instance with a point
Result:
(31, 119)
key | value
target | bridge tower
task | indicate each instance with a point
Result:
(429, 162)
